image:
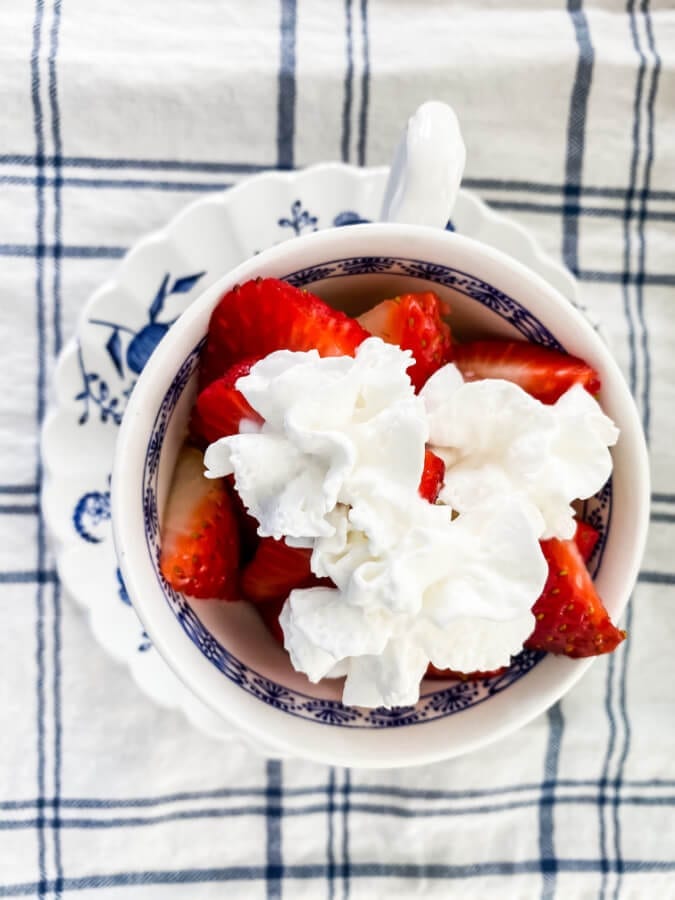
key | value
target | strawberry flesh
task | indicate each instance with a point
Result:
(414, 322)
(270, 612)
(570, 616)
(200, 535)
(433, 672)
(275, 570)
(545, 374)
(220, 407)
(264, 315)
(432, 476)
(586, 538)
(246, 523)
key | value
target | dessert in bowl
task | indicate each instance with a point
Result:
(223, 650)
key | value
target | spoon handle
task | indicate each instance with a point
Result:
(427, 168)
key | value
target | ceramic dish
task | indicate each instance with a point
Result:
(120, 326)
(222, 651)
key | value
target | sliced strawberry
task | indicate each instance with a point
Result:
(266, 314)
(414, 322)
(220, 407)
(275, 570)
(586, 537)
(543, 373)
(432, 476)
(433, 672)
(571, 617)
(269, 613)
(200, 537)
(248, 525)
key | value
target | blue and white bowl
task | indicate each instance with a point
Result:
(222, 651)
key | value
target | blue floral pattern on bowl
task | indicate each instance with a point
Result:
(436, 704)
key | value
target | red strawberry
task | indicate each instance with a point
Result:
(248, 525)
(571, 617)
(586, 537)
(200, 538)
(433, 672)
(432, 476)
(264, 315)
(220, 407)
(270, 612)
(414, 322)
(543, 373)
(275, 570)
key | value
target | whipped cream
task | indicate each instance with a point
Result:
(336, 467)
(332, 426)
(498, 441)
(457, 593)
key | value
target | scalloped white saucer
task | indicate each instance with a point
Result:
(96, 372)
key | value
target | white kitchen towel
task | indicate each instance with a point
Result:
(114, 115)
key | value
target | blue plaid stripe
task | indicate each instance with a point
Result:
(314, 872)
(571, 210)
(18, 509)
(346, 862)
(349, 76)
(365, 86)
(573, 168)
(646, 380)
(58, 731)
(644, 193)
(28, 577)
(575, 134)
(286, 102)
(640, 786)
(274, 812)
(563, 208)
(112, 164)
(339, 799)
(40, 305)
(48, 251)
(134, 184)
(56, 138)
(356, 799)
(330, 844)
(57, 330)
(646, 577)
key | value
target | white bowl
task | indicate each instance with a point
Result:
(222, 651)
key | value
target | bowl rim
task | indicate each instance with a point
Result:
(371, 748)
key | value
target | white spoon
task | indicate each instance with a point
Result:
(427, 168)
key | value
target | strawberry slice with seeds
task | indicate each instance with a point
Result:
(571, 619)
(263, 315)
(220, 407)
(545, 374)
(414, 322)
(200, 538)
(586, 537)
(432, 476)
(275, 570)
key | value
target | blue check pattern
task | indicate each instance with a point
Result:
(101, 793)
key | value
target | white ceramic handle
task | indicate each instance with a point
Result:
(427, 168)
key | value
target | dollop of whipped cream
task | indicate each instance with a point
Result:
(334, 427)
(457, 593)
(498, 441)
(336, 467)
